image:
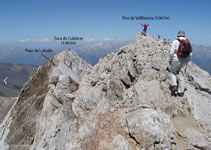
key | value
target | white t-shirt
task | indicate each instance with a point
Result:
(174, 48)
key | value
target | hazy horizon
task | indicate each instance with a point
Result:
(35, 23)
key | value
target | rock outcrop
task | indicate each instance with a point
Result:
(121, 103)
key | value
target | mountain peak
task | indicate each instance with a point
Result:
(123, 101)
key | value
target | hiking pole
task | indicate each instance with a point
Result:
(47, 59)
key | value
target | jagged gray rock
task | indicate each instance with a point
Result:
(197, 140)
(151, 129)
(122, 103)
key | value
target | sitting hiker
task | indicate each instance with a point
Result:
(180, 55)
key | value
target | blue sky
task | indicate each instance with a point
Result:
(38, 21)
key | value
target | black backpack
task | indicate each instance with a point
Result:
(184, 49)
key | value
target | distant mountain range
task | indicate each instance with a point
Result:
(12, 57)
(90, 52)
(19, 74)
(16, 75)
(202, 57)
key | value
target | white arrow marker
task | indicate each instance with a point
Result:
(5, 80)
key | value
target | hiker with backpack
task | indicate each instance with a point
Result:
(145, 28)
(180, 55)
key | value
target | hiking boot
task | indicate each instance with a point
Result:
(174, 88)
(180, 94)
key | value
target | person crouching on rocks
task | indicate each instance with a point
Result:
(145, 28)
(180, 55)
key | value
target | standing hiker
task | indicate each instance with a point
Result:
(159, 36)
(145, 28)
(164, 42)
(180, 55)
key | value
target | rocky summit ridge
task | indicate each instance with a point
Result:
(121, 103)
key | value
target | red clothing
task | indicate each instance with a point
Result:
(145, 26)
